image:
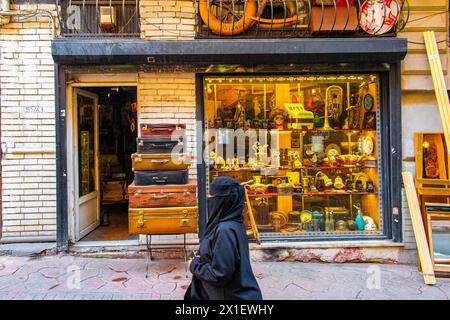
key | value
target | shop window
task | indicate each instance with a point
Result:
(310, 145)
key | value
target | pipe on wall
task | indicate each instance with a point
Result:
(6, 13)
(5, 7)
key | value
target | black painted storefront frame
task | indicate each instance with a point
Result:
(390, 132)
(336, 55)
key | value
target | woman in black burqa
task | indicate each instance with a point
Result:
(223, 270)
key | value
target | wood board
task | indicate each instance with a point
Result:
(419, 230)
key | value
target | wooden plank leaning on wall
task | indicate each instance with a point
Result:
(419, 230)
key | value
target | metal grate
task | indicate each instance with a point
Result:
(300, 18)
(82, 18)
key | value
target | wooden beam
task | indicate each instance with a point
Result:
(439, 84)
(419, 229)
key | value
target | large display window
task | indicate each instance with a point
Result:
(310, 145)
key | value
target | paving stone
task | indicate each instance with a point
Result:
(48, 278)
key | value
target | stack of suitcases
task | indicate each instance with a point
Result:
(161, 199)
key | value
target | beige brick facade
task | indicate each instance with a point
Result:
(419, 101)
(167, 20)
(169, 97)
(27, 102)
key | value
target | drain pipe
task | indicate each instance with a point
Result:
(6, 13)
(5, 7)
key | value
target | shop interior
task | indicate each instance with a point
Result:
(117, 132)
(310, 147)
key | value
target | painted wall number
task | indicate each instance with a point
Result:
(34, 109)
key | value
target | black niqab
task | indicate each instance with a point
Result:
(223, 270)
(226, 203)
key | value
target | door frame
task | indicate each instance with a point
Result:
(78, 201)
(72, 185)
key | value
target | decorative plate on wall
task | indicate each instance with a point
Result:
(379, 16)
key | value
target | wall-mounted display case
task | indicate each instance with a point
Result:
(310, 144)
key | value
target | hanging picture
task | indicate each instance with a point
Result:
(431, 156)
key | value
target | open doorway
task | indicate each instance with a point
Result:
(105, 131)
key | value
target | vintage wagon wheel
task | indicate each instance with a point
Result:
(227, 22)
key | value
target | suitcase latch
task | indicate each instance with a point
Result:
(141, 143)
(184, 222)
(141, 222)
(138, 159)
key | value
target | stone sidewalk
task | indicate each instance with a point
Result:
(68, 277)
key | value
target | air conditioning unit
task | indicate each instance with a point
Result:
(107, 17)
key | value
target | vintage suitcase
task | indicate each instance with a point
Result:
(155, 145)
(148, 178)
(172, 220)
(163, 196)
(178, 161)
(161, 129)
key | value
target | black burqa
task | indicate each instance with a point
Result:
(223, 271)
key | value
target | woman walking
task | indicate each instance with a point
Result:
(222, 271)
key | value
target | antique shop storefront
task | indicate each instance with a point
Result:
(319, 135)
(301, 102)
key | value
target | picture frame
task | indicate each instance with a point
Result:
(430, 155)
(438, 235)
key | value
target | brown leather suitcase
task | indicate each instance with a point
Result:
(161, 129)
(163, 196)
(173, 220)
(176, 161)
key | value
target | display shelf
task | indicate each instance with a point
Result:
(312, 194)
(362, 167)
(314, 130)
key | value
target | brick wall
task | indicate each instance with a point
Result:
(425, 15)
(27, 102)
(169, 97)
(167, 19)
(416, 105)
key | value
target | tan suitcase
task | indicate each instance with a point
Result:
(163, 196)
(153, 162)
(173, 220)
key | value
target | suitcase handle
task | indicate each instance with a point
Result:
(165, 145)
(163, 129)
(162, 196)
(160, 180)
(160, 161)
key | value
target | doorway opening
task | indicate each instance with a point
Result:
(105, 131)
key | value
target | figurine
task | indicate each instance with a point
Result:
(370, 188)
(349, 184)
(369, 224)
(338, 183)
(359, 186)
(278, 117)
